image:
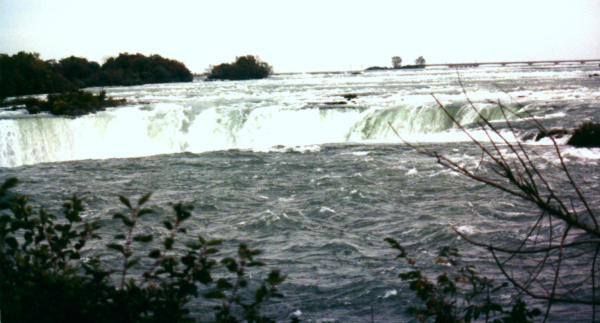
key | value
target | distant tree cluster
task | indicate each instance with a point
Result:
(396, 61)
(26, 73)
(244, 68)
(128, 69)
(78, 70)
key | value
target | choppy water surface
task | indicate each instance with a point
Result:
(316, 186)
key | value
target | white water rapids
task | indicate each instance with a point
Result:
(287, 111)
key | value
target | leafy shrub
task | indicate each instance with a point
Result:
(562, 208)
(458, 293)
(72, 103)
(420, 61)
(46, 274)
(26, 73)
(79, 71)
(134, 69)
(244, 68)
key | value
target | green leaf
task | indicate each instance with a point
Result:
(224, 284)
(210, 251)
(193, 245)
(9, 183)
(276, 294)
(169, 243)
(12, 242)
(214, 242)
(275, 277)
(182, 212)
(144, 198)
(203, 276)
(230, 264)
(188, 260)
(534, 312)
(214, 294)
(397, 246)
(143, 238)
(168, 225)
(415, 274)
(125, 201)
(132, 262)
(260, 294)
(116, 246)
(123, 218)
(154, 253)
(143, 212)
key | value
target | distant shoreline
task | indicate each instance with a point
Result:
(499, 63)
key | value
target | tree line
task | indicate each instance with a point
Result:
(247, 67)
(25, 73)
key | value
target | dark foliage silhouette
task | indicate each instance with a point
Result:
(244, 68)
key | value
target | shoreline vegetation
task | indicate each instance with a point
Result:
(43, 274)
(26, 74)
(536, 256)
(397, 65)
(46, 276)
(247, 67)
(71, 103)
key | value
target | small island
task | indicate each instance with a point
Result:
(25, 73)
(71, 103)
(247, 67)
(397, 65)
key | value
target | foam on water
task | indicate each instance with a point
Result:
(288, 112)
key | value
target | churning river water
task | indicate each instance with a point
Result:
(316, 180)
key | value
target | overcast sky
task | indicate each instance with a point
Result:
(304, 35)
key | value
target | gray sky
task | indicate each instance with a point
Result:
(304, 35)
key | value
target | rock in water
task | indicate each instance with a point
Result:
(586, 135)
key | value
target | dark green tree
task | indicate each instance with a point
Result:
(244, 68)
(79, 70)
(26, 73)
(134, 69)
(420, 61)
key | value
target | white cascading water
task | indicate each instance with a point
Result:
(164, 128)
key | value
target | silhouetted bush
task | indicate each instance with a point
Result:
(458, 293)
(134, 69)
(25, 73)
(586, 135)
(46, 274)
(244, 68)
(79, 71)
(559, 202)
(72, 103)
